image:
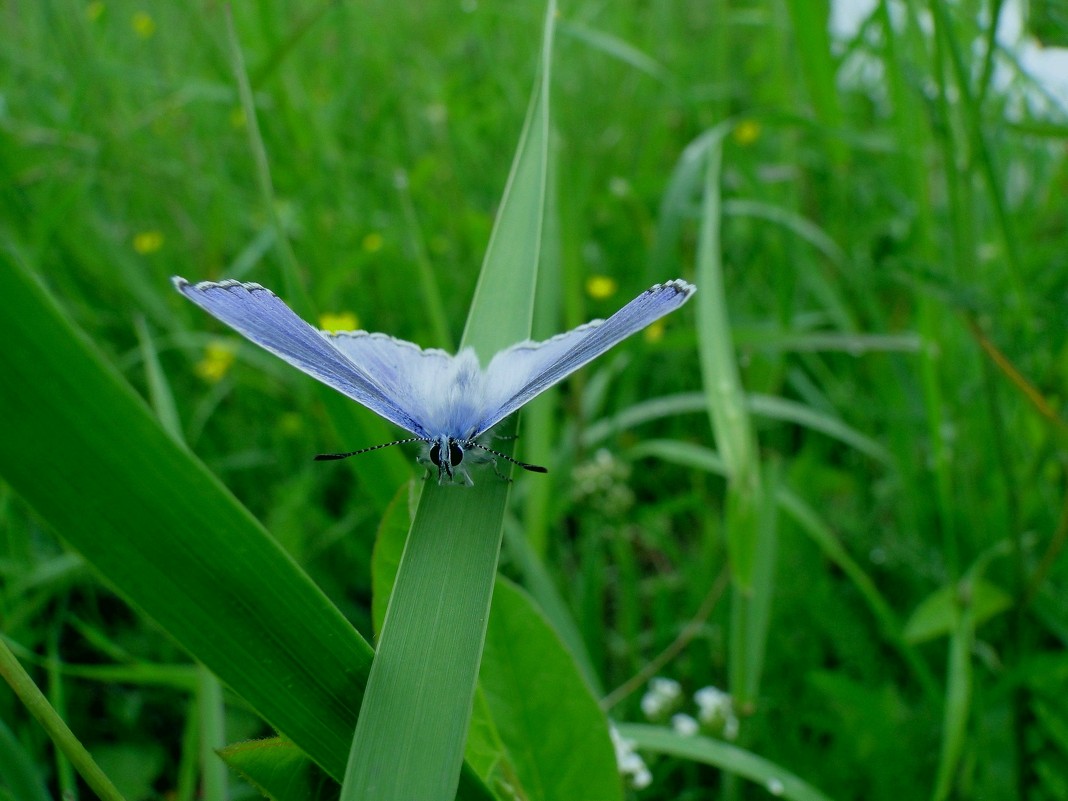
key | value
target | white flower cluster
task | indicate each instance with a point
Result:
(661, 698)
(630, 762)
(715, 711)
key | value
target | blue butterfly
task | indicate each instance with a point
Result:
(448, 402)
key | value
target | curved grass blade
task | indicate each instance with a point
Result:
(777, 781)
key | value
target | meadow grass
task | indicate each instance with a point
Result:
(832, 486)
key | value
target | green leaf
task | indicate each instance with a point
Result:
(750, 519)
(777, 781)
(280, 770)
(551, 725)
(92, 460)
(937, 615)
(419, 694)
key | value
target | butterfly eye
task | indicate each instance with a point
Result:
(456, 453)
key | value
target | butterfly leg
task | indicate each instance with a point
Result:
(497, 470)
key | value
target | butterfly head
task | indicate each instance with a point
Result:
(446, 454)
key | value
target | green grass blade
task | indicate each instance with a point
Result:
(20, 772)
(726, 400)
(750, 517)
(66, 742)
(89, 456)
(767, 406)
(778, 782)
(418, 702)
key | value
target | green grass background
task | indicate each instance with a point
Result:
(894, 266)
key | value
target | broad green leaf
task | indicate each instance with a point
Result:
(280, 770)
(91, 459)
(410, 736)
(937, 615)
(778, 782)
(551, 725)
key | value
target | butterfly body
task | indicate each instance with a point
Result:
(448, 402)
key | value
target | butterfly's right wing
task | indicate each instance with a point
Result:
(524, 371)
(260, 316)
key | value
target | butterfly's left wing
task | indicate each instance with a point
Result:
(524, 371)
(259, 315)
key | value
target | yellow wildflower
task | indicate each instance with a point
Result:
(373, 242)
(146, 242)
(601, 287)
(218, 357)
(341, 321)
(655, 331)
(746, 132)
(143, 24)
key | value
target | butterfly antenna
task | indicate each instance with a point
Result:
(533, 468)
(330, 457)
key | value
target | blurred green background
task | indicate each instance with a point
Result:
(893, 240)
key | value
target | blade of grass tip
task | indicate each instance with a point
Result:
(750, 521)
(384, 469)
(68, 744)
(294, 288)
(412, 726)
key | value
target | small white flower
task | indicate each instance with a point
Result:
(641, 779)
(685, 725)
(716, 711)
(662, 695)
(630, 762)
(712, 703)
(669, 688)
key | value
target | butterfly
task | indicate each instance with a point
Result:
(448, 402)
